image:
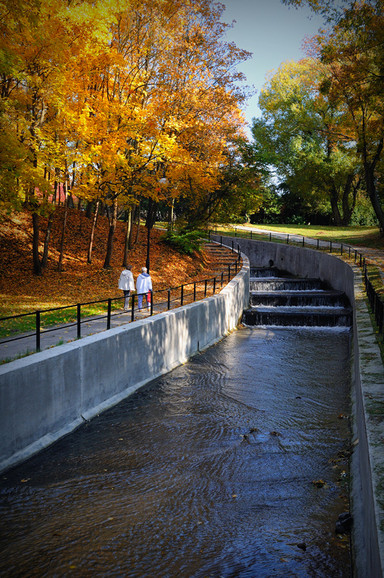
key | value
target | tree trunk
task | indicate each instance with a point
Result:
(93, 229)
(54, 198)
(46, 241)
(348, 204)
(128, 235)
(334, 206)
(171, 214)
(35, 244)
(369, 174)
(112, 227)
(150, 221)
(60, 264)
(89, 209)
(138, 222)
(373, 195)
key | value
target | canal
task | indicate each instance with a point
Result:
(233, 465)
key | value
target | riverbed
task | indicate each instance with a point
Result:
(233, 465)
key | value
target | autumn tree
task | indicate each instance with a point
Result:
(34, 72)
(137, 100)
(163, 111)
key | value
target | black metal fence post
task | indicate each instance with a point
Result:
(109, 313)
(330, 246)
(194, 291)
(79, 321)
(133, 308)
(214, 284)
(287, 239)
(318, 244)
(38, 326)
(205, 288)
(182, 296)
(169, 299)
(303, 242)
(222, 278)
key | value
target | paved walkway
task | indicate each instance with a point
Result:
(50, 337)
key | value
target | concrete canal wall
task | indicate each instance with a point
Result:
(49, 394)
(367, 394)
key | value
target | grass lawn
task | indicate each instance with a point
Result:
(356, 236)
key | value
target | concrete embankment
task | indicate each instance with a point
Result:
(49, 394)
(367, 393)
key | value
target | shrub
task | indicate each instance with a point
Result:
(186, 242)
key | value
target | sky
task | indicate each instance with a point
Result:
(273, 32)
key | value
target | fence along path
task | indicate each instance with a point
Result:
(226, 267)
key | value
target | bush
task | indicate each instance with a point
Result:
(186, 242)
(363, 214)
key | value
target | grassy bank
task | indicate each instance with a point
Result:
(356, 236)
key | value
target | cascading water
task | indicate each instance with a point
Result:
(279, 299)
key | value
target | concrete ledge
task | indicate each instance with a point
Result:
(368, 456)
(47, 395)
(367, 395)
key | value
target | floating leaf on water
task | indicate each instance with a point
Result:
(318, 483)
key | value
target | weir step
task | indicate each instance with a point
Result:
(277, 298)
(299, 316)
(284, 284)
(299, 298)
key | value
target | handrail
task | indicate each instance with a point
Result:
(180, 297)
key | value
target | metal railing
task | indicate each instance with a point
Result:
(343, 249)
(160, 300)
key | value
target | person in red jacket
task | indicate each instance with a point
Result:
(144, 287)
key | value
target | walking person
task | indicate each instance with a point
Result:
(144, 287)
(126, 284)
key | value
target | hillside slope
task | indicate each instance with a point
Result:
(22, 291)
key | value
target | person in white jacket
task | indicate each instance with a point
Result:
(143, 287)
(126, 284)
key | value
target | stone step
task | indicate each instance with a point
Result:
(329, 297)
(267, 284)
(299, 316)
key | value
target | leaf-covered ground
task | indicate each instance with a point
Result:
(22, 291)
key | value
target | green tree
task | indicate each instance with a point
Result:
(353, 52)
(302, 135)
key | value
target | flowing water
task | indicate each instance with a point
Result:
(208, 471)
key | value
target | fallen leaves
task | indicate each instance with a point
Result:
(22, 291)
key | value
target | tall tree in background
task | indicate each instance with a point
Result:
(353, 51)
(303, 133)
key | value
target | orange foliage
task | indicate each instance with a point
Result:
(22, 291)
